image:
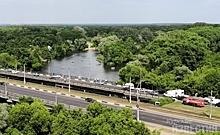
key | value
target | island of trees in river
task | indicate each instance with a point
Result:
(184, 56)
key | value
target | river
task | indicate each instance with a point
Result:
(79, 66)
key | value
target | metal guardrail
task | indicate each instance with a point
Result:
(15, 97)
(63, 75)
(82, 83)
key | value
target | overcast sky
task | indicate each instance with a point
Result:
(108, 11)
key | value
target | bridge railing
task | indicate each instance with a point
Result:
(75, 82)
(15, 97)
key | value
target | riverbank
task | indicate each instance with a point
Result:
(90, 46)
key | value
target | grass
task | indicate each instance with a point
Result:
(203, 110)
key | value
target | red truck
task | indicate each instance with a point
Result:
(194, 102)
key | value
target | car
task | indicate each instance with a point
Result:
(36, 74)
(217, 105)
(90, 100)
(14, 71)
(2, 83)
(155, 93)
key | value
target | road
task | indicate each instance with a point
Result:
(108, 86)
(176, 123)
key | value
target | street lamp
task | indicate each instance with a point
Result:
(62, 71)
(55, 95)
(69, 79)
(130, 91)
(210, 115)
(89, 69)
(6, 93)
(138, 97)
(24, 75)
(48, 67)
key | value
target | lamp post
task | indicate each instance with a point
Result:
(69, 79)
(210, 115)
(6, 93)
(138, 97)
(62, 71)
(130, 91)
(48, 68)
(55, 95)
(24, 75)
(89, 69)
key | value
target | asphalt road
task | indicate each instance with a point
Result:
(107, 87)
(176, 123)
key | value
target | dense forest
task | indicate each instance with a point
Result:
(34, 45)
(31, 117)
(178, 56)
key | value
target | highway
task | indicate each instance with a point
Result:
(176, 123)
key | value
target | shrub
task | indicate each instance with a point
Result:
(163, 101)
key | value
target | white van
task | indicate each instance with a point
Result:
(128, 85)
(174, 93)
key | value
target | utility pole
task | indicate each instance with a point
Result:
(130, 91)
(138, 97)
(24, 74)
(6, 93)
(48, 67)
(69, 79)
(56, 98)
(89, 72)
(62, 72)
(210, 116)
(89, 69)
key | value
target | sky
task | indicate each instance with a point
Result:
(108, 11)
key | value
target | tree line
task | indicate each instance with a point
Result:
(184, 58)
(35, 45)
(31, 117)
(177, 56)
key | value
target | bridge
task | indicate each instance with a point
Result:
(76, 83)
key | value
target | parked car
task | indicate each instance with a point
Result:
(90, 100)
(155, 93)
(193, 101)
(14, 71)
(36, 74)
(217, 105)
(100, 82)
(2, 83)
(174, 93)
(127, 86)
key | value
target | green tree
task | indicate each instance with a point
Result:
(132, 71)
(6, 60)
(4, 114)
(24, 99)
(80, 44)
(34, 118)
(12, 131)
(64, 124)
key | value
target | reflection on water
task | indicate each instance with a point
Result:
(79, 64)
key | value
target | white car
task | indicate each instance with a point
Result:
(128, 85)
(14, 71)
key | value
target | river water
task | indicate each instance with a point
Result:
(79, 66)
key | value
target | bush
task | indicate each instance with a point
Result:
(163, 101)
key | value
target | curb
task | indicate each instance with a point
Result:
(63, 94)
